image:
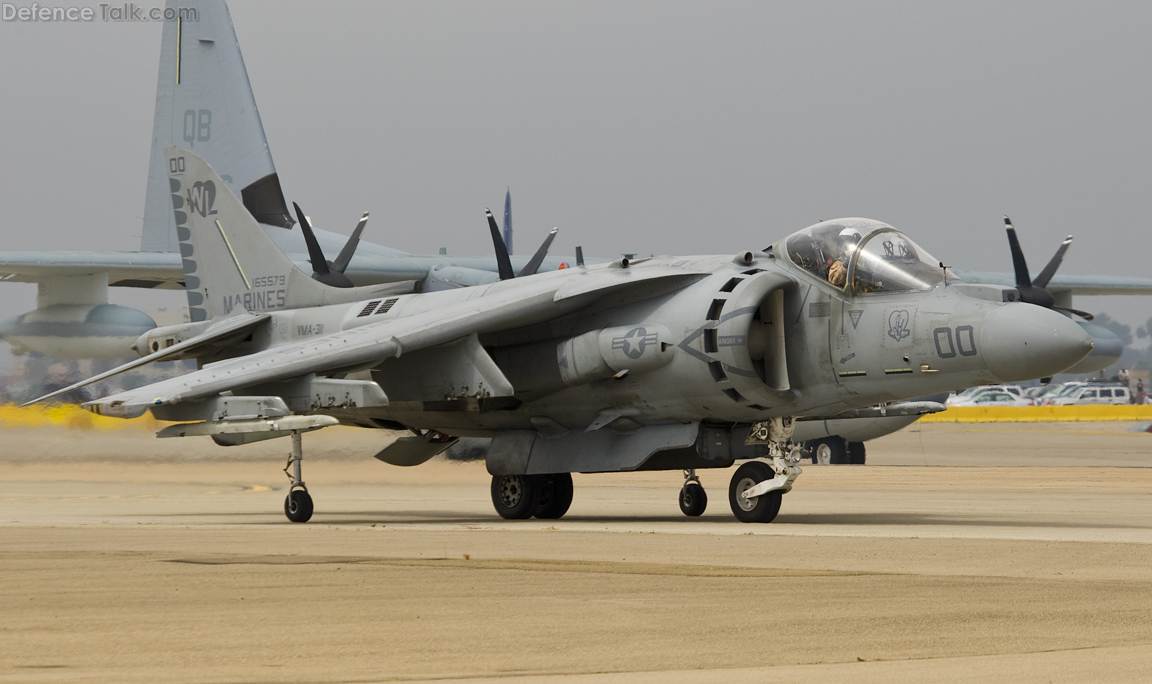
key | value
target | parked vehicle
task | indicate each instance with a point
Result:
(991, 396)
(1041, 392)
(1063, 390)
(978, 396)
(1094, 394)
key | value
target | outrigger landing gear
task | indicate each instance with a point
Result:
(693, 498)
(757, 487)
(298, 504)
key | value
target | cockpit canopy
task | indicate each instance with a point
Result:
(863, 256)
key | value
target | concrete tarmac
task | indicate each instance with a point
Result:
(961, 553)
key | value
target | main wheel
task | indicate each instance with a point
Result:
(762, 508)
(693, 499)
(856, 453)
(298, 506)
(555, 496)
(829, 451)
(516, 497)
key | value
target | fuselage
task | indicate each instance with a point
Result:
(735, 341)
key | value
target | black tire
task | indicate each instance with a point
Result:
(830, 451)
(515, 497)
(693, 500)
(298, 506)
(555, 496)
(856, 453)
(762, 509)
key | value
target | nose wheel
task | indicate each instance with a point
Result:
(693, 498)
(298, 503)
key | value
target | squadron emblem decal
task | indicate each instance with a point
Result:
(898, 325)
(202, 198)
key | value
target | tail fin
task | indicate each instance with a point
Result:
(230, 263)
(204, 102)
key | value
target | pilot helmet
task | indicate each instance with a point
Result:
(849, 238)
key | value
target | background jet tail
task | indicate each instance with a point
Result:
(204, 103)
(229, 262)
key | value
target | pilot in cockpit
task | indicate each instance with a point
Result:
(846, 245)
(887, 261)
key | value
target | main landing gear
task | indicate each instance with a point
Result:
(298, 504)
(519, 497)
(835, 451)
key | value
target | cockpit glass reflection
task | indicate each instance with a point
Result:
(890, 262)
(825, 250)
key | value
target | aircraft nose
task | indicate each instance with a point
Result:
(1025, 342)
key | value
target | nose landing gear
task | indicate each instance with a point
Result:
(757, 487)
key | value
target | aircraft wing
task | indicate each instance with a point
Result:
(125, 269)
(515, 304)
(163, 271)
(1083, 285)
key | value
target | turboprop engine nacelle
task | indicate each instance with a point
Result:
(77, 331)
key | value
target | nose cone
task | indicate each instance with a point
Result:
(1024, 342)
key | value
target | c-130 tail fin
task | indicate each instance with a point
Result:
(204, 103)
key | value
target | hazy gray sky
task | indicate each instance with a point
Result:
(666, 127)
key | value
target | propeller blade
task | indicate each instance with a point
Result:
(345, 256)
(1018, 262)
(502, 260)
(538, 258)
(1050, 270)
(315, 254)
(1082, 314)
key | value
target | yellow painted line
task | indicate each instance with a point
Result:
(1038, 414)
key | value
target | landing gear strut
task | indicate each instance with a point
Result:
(757, 487)
(693, 499)
(298, 503)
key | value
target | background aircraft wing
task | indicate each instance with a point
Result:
(1084, 285)
(124, 269)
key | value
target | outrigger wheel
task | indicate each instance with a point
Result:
(693, 498)
(298, 503)
(298, 506)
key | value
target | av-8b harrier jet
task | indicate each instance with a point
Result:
(667, 363)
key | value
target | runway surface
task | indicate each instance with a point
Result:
(961, 553)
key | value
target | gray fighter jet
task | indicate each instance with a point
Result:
(671, 363)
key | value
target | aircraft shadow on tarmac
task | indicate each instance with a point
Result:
(924, 519)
